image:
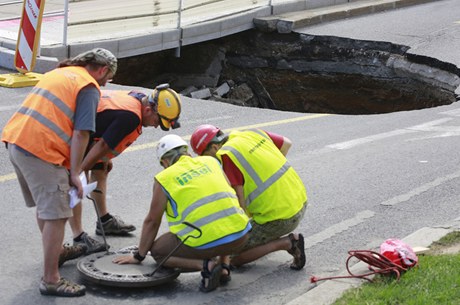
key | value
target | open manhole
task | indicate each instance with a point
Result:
(299, 72)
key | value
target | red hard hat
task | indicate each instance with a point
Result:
(202, 136)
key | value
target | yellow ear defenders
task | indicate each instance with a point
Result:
(166, 103)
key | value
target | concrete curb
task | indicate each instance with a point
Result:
(327, 292)
(287, 22)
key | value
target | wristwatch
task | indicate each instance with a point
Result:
(139, 257)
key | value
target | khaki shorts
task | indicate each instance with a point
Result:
(43, 184)
(262, 234)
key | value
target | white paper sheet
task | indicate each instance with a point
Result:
(87, 188)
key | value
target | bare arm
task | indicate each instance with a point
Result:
(152, 221)
(240, 195)
(99, 150)
(79, 142)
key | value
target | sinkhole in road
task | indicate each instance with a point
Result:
(299, 72)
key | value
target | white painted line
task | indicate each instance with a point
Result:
(338, 228)
(373, 138)
(8, 108)
(455, 112)
(421, 189)
(431, 126)
(208, 120)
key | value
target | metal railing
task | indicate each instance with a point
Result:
(83, 18)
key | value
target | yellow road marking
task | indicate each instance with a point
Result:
(302, 118)
(8, 177)
(153, 144)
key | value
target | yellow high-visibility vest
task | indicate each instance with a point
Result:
(199, 193)
(272, 188)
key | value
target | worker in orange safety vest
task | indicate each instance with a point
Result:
(119, 121)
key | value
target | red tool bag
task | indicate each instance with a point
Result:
(399, 253)
(395, 257)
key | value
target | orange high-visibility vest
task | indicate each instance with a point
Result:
(120, 100)
(44, 124)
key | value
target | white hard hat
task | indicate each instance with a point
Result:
(167, 143)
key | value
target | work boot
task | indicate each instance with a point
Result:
(71, 252)
(115, 226)
(91, 245)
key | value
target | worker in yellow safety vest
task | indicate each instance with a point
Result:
(119, 121)
(268, 188)
(195, 191)
(46, 140)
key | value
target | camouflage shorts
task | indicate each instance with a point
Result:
(262, 234)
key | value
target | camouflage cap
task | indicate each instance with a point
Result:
(98, 56)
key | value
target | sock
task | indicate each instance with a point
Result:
(78, 238)
(106, 217)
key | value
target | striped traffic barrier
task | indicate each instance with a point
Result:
(27, 46)
(29, 35)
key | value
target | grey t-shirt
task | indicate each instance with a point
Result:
(85, 112)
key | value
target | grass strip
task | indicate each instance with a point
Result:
(436, 280)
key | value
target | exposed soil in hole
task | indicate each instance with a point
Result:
(298, 72)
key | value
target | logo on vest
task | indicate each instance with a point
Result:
(258, 145)
(188, 176)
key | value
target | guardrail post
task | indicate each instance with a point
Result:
(179, 27)
(66, 15)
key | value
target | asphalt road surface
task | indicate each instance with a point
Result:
(368, 178)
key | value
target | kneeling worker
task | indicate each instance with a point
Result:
(196, 191)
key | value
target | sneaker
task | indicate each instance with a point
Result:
(63, 288)
(115, 226)
(92, 245)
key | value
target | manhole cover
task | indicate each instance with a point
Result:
(98, 268)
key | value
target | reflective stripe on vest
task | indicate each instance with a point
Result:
(201, 202)
(44, 124)
(261, 186)
(48, 123)
(204, 199)
(272, 189)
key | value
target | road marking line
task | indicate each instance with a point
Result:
(419, 190)
(428, 127)
(153, 144)
(454, 112)
(8, 177)
(338, 228)
(5, 108)
(431, 126)
(280, 122)
(364, 140)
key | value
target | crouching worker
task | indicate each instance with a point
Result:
(267, 186)
(193, 190)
